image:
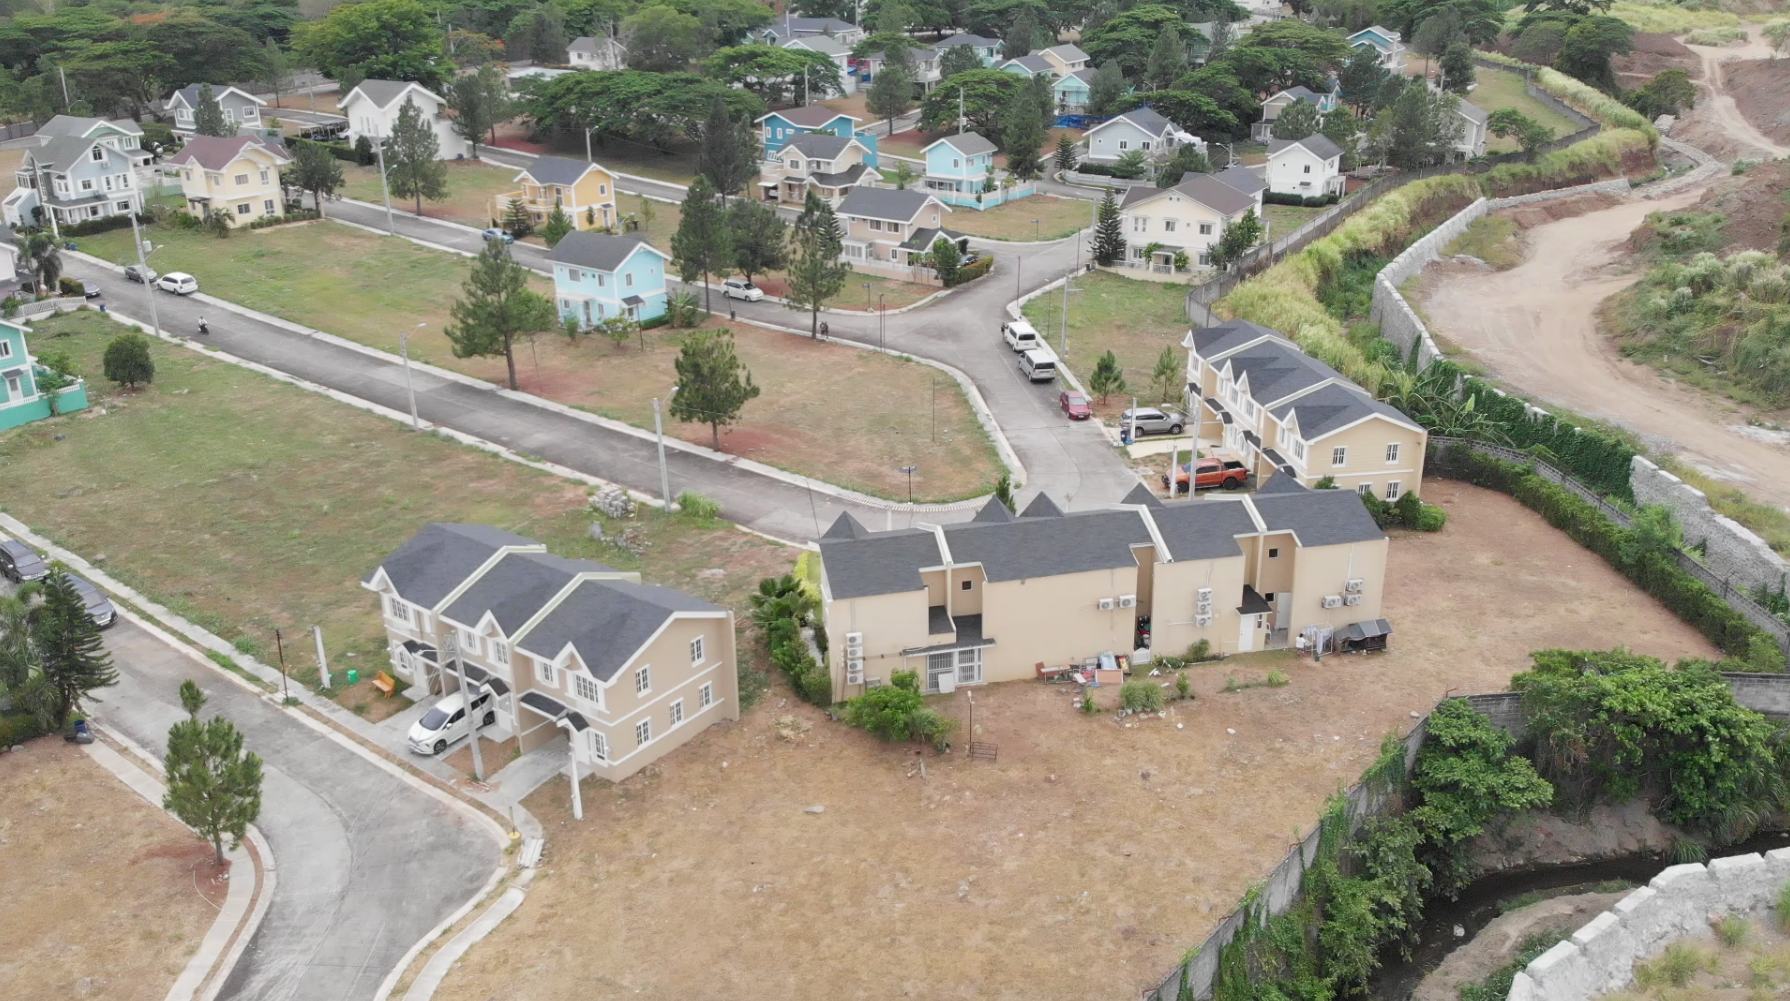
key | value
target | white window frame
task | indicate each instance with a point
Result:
(500, 651)
(643, 680)
(643, 732)
(586, 688)
(705, 696)
(599, 747)
(241, 180)
(1364, 487)
(1339, 457)
(677, 711)
(1392, 490)
(696, 651)
(469, 641)
(548, 674)
(1391, 452)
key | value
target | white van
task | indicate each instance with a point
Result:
(1020, 336)
(1038, 364)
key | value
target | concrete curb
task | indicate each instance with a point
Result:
(390, 982)
(436, 970)
(245, 901)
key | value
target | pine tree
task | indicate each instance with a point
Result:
(721, 158)
(1168, 59)
(70, 655)
(816, 273)
(891, 94)
(316, 171)
(1107, 378)
(1109, 234)
(480, 100)
(214, 786)
(498, 307)
(1022, 35)
(712, 385)
(760, 238)
(1066, 157)
(1165, 377)
(1108, 87)
(702, 245)
(1297, 120)
(1022, 135)
(558, 225)
(412, 158)
(517, 220)
(208, 118)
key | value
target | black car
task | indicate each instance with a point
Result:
(99, 607)
(19, 562)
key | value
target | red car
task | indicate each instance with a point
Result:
(1075, 405)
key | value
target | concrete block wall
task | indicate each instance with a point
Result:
(1678, 903)
(1731, 551)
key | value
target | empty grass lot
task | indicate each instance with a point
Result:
(1498, 89)
(1283, 219)
(247, 505)
(471, 186)
(1133, 319)
(1055, 219)
(369, 288)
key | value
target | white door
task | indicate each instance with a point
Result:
(1246, 633)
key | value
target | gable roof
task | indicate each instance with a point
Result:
(819, 43)
(789, 25)
(1316, 517)
(63, 152)
(1332, 408)
(1033, 64)
(810, 116)
(82, 128)
(967, 143)
(1278, 370)
(189, 95)
(1385, 34)
(439, 558)
(895, 204)
(1141, 494)
(598, 251)
(1147, 120)
(557, 170)
(608, 621)
(1472, 112)
(1299, 93)
(1209, 342)
(1243, 179)
(216, 153)
(517, 588)
(964, 38)
(1066, 52)
(1204, 529)
(821, 145)
(1048, 544)
(866, 563)
(1317, 144)
(1083, 75)
(383, 93)
(1202, 188)
(592, 44)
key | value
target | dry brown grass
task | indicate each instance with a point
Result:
(1081, 864)
(106, 896)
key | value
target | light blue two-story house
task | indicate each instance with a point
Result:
(1072, 92)
(1030, 66)
(22, 399)
(87, 167)
(958, 170)
(597, 276)
(239, 107)
(779, 127)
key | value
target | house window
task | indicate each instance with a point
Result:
(968, 584)
(1339, 456)
(1205, 229)
(244, 209)
(705, 696)
(586, 687)
(98, 153)
(1299, 450)
(87, 185)
(599, 748)
(1392, 490)
(5, 349)
(602, 189)
(417, 614)
(1168, 225)
(264, 177)
(643, 681)
(643, 732)
(696, 650)
(1308, 168)
(267, 207)
(548, 674)
(1274, 554)
(601, 283)
(1124, 144)
(677, 712)
(500, 652)
(1364, 488)
(575, 275)
(955, 162)
(242, 179)
(1392, 452)
(1140, 224)
(1205, 257)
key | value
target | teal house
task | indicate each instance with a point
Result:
(1072, 92)
(779, 127)
(597, 277)
(959, 169)
(21, 397)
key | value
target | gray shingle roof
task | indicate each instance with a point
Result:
(519, 586)
(1067, 53)
(884, 203)
(967, 39)
(597, 251)
(1085, 75)
(840, 178)
(75, 125)
(1031, 546)
(1141, 494)
(1331, 408)
(1277, 371)
(557, 169)
(1317, 517)
(811, 116)
(968, 143)
(877, 562)
(1231, 334)
(584, 43)
(1243, 179)
(1202, 188)
(439, 558)
(190, 94)
(1319, 145)
(1296, 93)
(1473, 112)
(821, 145)
(1204, 529)
(821, 44)
(1037, 64)
(606, 621)
(215, 153)
(383, 92)
(1147, 119)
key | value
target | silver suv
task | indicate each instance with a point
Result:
(1150, 420)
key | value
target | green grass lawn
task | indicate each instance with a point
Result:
(1498, 89)
(471, 186)
(1055, 218)
(248, 505)
(678, 166)
(1133, 319)
(1283, 219)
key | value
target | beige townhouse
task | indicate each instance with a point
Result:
(888, 230)
(628, 671)
(992, 598)
(828, 165)
(1189, 218)
(1279, 410)
(236, 176)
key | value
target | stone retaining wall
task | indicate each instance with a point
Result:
(1730, 550)
(1678, 903)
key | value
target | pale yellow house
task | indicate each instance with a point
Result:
(1279, 410)
(1189, 218)
(585, 190)
(992, 598)
(628, 672)
(888, 230)
(236, 176)
(821, 162)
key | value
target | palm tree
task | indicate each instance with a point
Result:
(43, 258)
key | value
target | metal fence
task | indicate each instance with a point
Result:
(17, 130)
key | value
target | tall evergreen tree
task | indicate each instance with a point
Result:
(498, 307)
(702, 245)
(1109, 233)
(1022, 135)
(1108, 88)
(316, 171)
(1066, 156)
(712, 386)
(1021, 36)
(816, 273)
(891, 94)
(1297, 120)
(721, 158)
(214, 786)
(70, 655)
(412, 158)
(557, 226)
(1168, 60)
(480, 100)
(208, 117)
(760, 238)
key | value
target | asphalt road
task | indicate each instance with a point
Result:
(366, 864)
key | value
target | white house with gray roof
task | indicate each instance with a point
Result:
(822, 162)
(627, 671)
(239, 107)
(372, 109)
(1309, 167)
(997, 597)
(833, 49)
(87, 167)
(1161, 224)
(1139, 129)
(1474, 129)
(1285, 414)
(589, 53)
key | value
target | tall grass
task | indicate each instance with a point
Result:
(1657, 16)
(1601, 107)
(1601, 156)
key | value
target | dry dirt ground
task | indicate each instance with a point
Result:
(1082, 863)
(1654, 54)
(1717, 124)
(1535, 327)
(106, 897)
(1762, 91)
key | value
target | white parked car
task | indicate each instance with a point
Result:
(178, 282)
(740, 288)
(445, 722)
(1020, 336)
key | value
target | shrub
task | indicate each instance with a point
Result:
(1783, 908)
(18, 729)
(102, 225)
(1141, 696)
(683, 309)
(1676, 966)
(1276, 678)
(68, 286)
(1088, 708)
(885, 713)
(1733, 930)
(697, 506)
(295, 215)
(1199, 651)
(1603, 156)
(929, 726)
(1183, 687)
(127, 360)
(975, 269)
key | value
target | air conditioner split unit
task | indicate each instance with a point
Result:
(1106, 604)
(1353, 599)
(854, 639)
(1127, 601)
(1205, 595)
(1332, 601)
(1354, 584)
(1202, 620)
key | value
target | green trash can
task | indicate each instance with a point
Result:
(353, 676)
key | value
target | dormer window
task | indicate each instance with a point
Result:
(98, 153)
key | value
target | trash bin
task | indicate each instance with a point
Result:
(353, 676)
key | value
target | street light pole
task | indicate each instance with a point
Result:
(472, 719)
(882, 324)
(409, 387)
(148, 285)
(909, 470)
(664, 473)
(387, 188)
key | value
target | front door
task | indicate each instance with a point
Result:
(941, 672)
(1246, 631)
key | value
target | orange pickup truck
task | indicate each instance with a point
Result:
(1209, 472)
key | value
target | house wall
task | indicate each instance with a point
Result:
(674, 679)
(1296, 171)
(376, 123)
(1323, 570)
(608, 289)
(890, 623)
(1114, 139)
(1174, 603)
(237, 109)
(226, 195)
(1055, 620)
(1149, 223)
(15, 365)
(1366, 443)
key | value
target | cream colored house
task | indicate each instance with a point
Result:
(1189, 218)
(887, 230)
(990, 599)
(584, 189)
(237, 176)
(827, 164)
(1279, 410)
(628, 671)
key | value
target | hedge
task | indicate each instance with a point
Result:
(103, 225)
(1105, 170)
(1599, 461)
(1602, 156)
(1282, 198)
(18, 729)
(296, 215)
(974, 270)
(1657, 574)
(341, 151)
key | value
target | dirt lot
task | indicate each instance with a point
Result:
(1654, 54)
(1761, 88)
(106, 896)
(1083, 863)
(1753, 203)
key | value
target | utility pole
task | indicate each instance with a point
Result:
(572, 747)
(587, 152)
(960, 118)
(387, 188)
(279, 645)
(65, 101)
(43, 199)
(409, 387)
(664, 471)
(148, 284)
(322, 661)
(472, 718)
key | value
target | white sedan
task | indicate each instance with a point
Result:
(740, 288)
(178, 282)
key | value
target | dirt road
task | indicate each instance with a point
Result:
(1717, 108)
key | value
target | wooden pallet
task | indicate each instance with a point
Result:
(983, 750)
